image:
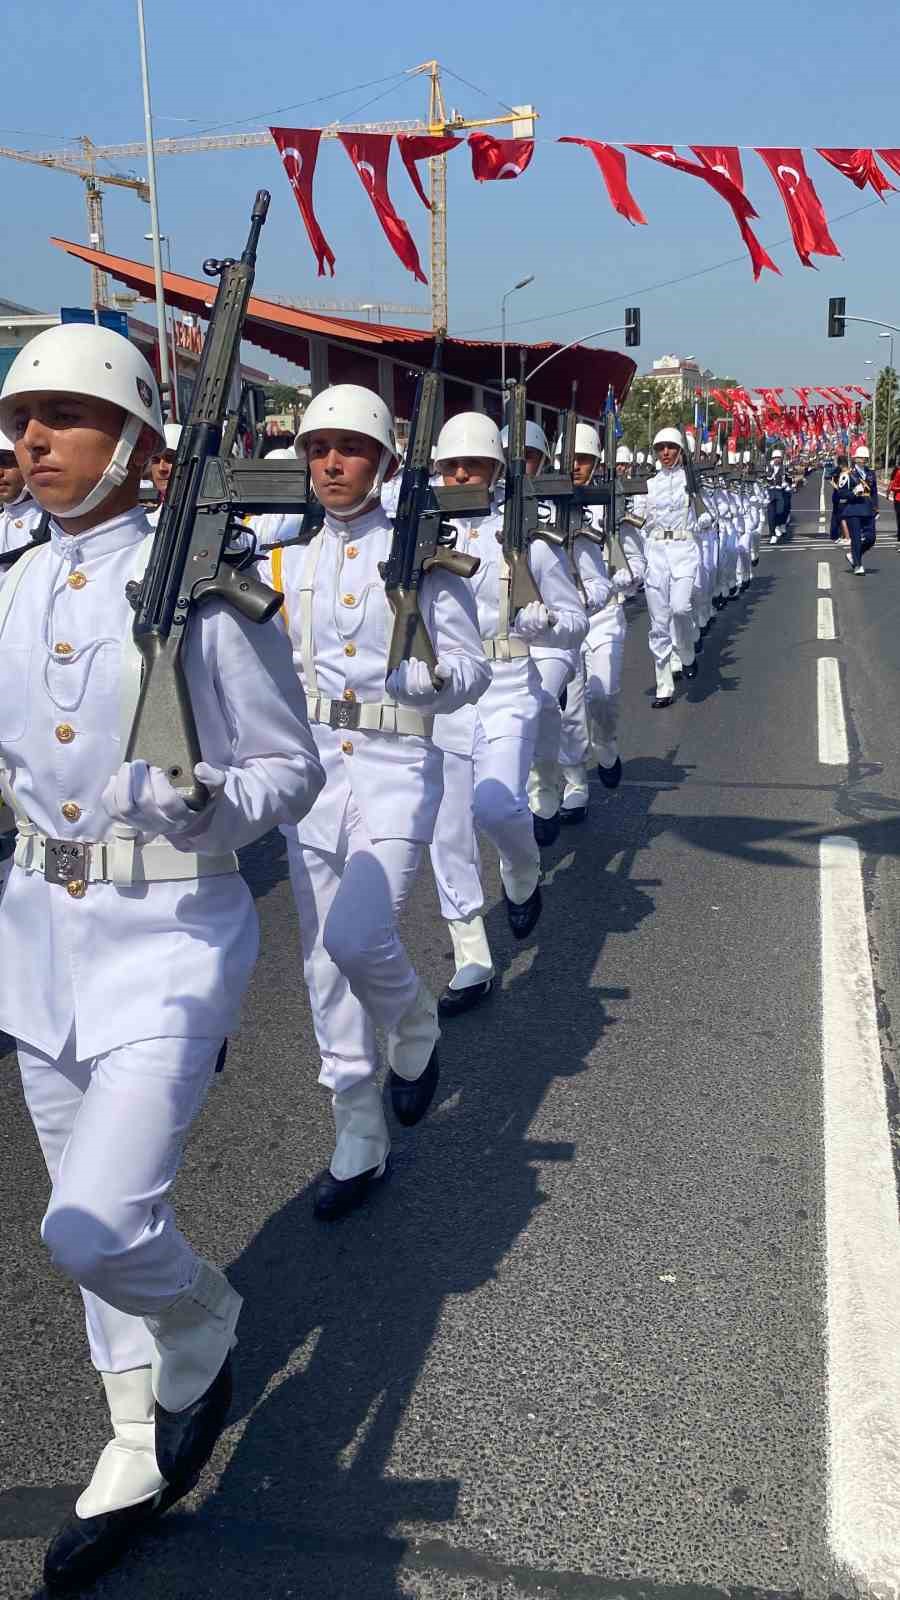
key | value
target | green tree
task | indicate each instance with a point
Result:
(282, 397)
(651, 405)
(887, 418)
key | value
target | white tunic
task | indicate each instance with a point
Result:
(161, 959)
(394, 779)
(17, 525)
(668, 503)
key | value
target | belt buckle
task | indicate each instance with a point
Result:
(67, 862)
(344, 714)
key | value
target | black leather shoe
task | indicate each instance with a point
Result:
(691, 671)
(334, 1197)
(733, 592)
(677, 676)
(411, 1100)
(661, 701)
(185, 1439)
(611, 777)
(523, 917)
(86, 1547)
(546, 830)
(572, 814)
(754, 561)
(745, 585)
(453, 1002)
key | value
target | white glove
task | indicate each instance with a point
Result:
(704, 522)
(142, 797)
(532, 621)
(412, 682)
(622, 581)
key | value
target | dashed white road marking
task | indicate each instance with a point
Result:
(833, 750)
(824, 578)
(862, 1244)
(825, 619)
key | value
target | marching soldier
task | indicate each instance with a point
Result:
(778, 509)
(120, 998)
(354, 857)
(856, 506)
(20, 513)
(161, 463)
(670, 546)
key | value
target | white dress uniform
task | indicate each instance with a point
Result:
(743, 569)
(18, 522)
(558, 668)
(488, 749)
(672, 559)
(121, 985)
(354, 856)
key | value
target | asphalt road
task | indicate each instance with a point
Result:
(576, 1347)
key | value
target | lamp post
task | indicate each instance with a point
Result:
(164, 374)
(890, 397)
(166, 239)
(523, 282)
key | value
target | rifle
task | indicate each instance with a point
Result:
(690, 480)
(423, 537)
(41, 535)
(520, 506)
(616, 559)
(190, 563)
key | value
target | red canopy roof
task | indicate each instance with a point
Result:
(286, 333)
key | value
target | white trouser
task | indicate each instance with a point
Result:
(555, 673)
(755, 537)
(486, 791)
(575, 743)
(728, 559)
(604, 654)
(357, 971)
(707, 549)
(743, 570)
(669, 585)
(112, 1130)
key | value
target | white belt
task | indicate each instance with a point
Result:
(506, 649)
(376, 716)
(73, 863)
(670, 533)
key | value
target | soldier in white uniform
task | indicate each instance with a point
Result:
(161, 463)
(672, 557)
(488, 749)
(20, 513)
(354, 857)
(128, 935)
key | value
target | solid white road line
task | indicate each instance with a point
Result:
(832, 728)
(825, 619)
(824, 579)
(862, 1244)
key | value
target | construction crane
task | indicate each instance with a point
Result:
(521, 119)
(86, 169)
(351, 305)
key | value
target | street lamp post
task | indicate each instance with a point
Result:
(166, 239)
(164, 374)
(523, 282)
(890, 397)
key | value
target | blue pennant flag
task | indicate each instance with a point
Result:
(611, 409)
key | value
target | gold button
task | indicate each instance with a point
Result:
(65, 733)
(71, 811)
(20, 523)
(62, 649)
(75, 889)
(76, 580)
(349, 649)
(348, 695)
(352, 552)
(348, 599)
(346, 747)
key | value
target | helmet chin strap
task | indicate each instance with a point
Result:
(113, 474)
(374, 492)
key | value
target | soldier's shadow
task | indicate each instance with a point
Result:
(336, 1360)
(718, 653)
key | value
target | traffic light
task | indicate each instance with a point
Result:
(632, 326)
(836, 309)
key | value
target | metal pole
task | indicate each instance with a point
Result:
(890, 397)
(165, 383)
(503, 343)
(174, 340)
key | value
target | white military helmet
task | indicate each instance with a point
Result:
(535, 438)
(707, 447)
(6, 444)
(861, 453)
(172, 432)
(624, 456)
(641, 458)
(777, 455)
(587, 442)
(350, 407)
(471, 433)
(746, 456)
(668, 436)
(82, 359)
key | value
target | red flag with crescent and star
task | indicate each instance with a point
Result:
(415, 147)
(730, 192)
(499, 158)
(370, 153)
(298, 148)
(615, 175)
(803, 206)
(860, 167)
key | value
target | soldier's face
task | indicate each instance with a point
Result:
(533, 459)
(476, 470)
(342, 466)
(583, 470)
(63, 446)
(669, 454)
(11, 480)
(161, 464)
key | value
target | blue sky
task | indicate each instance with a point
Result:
(770, 74)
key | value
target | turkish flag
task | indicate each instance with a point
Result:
(499, 158)
(415, 147)
(803, 393)
(860, 167)
(724, 158)
(615, 175)
(730, 192)
(298, 148)
(891, 158)
(370, 153)
(802, 204)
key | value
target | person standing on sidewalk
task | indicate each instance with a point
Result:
(894, 492)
